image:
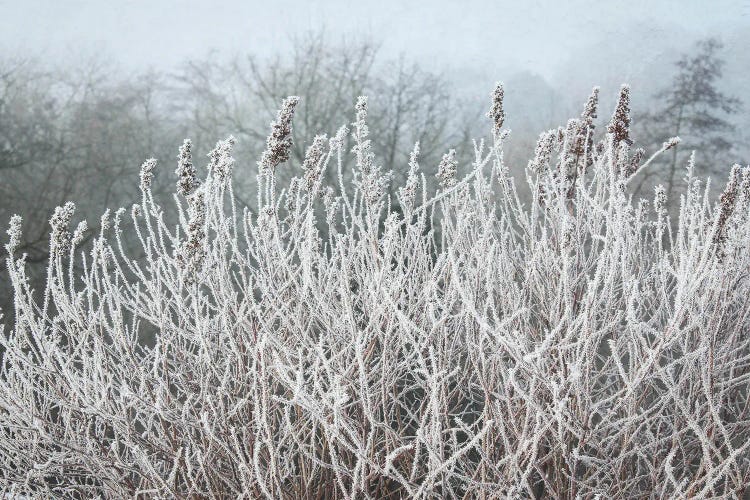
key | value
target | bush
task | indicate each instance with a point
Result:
(338, 342)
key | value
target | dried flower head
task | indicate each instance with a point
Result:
(409, 191)
(660, 199)
(543, 152)
(193, 251)
(362, 147)
(314, 153)
(186, 173)
(590, 108)
(311, 163)
(620, 124)
(147, 173)
(583, 146)
(573, 148)
(727, 203)
(14, 232)
(496, 112)
(279, 142)
(369, 177)
(80, 232)
(221, 162)
(670, 143)
(635, 161)
(118, 217)
(337, 141)
(60, 235)
(745, 187)
(331, 204)
(292, 194)
(104, 221)
(446, 173)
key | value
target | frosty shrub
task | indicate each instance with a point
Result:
(338, 342)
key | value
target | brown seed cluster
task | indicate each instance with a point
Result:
(186, 174)
(727, 203)
(279, 142)
(60, 236)
(620, 124)
(447, 169)
(496, 113)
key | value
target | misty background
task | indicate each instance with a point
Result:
(90, 89)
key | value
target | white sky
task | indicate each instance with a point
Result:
(525, 34)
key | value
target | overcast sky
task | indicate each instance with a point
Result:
(525, 34)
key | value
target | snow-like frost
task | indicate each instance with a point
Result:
(333, 342)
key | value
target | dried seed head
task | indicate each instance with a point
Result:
(337, 141)
(193, 251)
(369, 179)
(745, 187)
(589, 110)
(660, 199)
(727, 203)
(292, 193)
(409, 191)
(635, 161)
(670, 143)
(147, 173)
(80, 232)
(620, 124)
(279, 142)
(118, 217)
(314, 153)
(583, 146)
(447, 169)
(266, 220)
(331, 204)
(729, 196)
(221, 162)
(312, 159)
(496, 112)
(573, 148)
(543, 151)
(186, 174)
(14, 232)
(362, 148)
(104, 221)
(60, 236)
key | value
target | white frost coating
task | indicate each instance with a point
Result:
(466, 345)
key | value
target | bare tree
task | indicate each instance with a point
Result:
(71, 134)
(693, 108)
(239, 97)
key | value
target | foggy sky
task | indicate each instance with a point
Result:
(462, 36)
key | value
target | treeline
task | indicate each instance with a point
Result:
(81, 132)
